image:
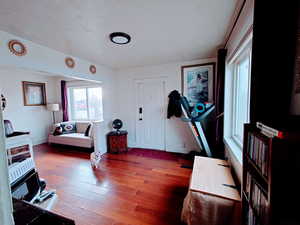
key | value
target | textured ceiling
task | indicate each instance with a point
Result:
(162, 30)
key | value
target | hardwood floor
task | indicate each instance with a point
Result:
(141, 187)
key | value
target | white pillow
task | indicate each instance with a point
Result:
(81, 127)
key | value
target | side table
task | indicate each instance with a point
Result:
(117, 141)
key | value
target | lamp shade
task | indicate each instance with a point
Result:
(53, 107)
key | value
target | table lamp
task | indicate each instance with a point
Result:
(53, 108)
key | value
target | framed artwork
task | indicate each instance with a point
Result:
(34, 93)
(198, 82)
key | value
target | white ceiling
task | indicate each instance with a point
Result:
(162, 31)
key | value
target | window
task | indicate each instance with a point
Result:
(237, 96)
(241, 101)
(85, 103)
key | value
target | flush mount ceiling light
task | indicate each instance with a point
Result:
(120, 38)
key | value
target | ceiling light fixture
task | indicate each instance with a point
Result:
(120, 38)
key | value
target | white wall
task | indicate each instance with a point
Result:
(41, 58)
(179, 137)
(52, 63)
(243, 25)
(35, 119)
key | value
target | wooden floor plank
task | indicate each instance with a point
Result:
(141, 187)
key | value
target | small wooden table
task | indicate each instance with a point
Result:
(212, 197)
(117, 142)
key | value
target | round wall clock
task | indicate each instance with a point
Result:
(70, 62)
(93, 69)
(17, 48)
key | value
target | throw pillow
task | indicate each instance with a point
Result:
(57, 131)
(68, 128)
(87, 133)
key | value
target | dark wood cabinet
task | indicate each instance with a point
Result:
(117, 142)
(274, 59)
(271, 164)
(270, 171)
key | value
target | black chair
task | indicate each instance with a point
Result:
(9, 130)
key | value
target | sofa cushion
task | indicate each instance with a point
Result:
(75, 135)
(82, 126)
(68, 127)
(73, 139)
(54, 126)
(58, 130)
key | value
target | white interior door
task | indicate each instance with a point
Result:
(150, 119)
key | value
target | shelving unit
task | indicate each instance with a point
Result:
(274, 101)
(19, 156)
(269, 169)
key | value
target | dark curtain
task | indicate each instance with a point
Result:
(219, 101)
(64, 100)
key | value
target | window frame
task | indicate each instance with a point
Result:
(232, 143)
(71, 102)
(245, 53)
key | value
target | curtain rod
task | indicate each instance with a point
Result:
(235, 22)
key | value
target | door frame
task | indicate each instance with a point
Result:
(162, 79)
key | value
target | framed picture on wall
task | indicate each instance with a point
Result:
(198, 82)
(34, 93)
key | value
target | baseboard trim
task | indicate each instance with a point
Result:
(40, 141)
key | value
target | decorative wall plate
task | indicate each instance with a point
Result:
(17, 48)
(93, 69)
(70, 62)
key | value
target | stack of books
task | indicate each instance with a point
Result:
(258, 210)
(258, 152)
